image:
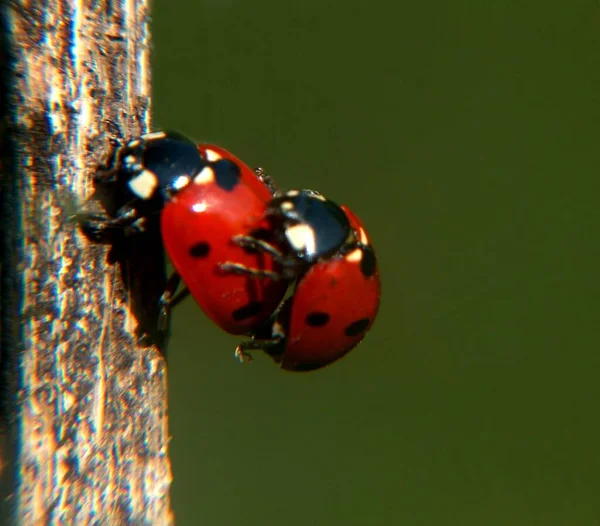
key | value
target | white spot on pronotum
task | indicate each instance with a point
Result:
(154, 135)
(199, 207)
(363, 237)
(293, 193)
(207, 175)
(355, 256)
(212, 156)
(287, 206)
(301, 238)
(181, 182)
(144, 184)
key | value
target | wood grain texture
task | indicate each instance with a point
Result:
(83, 377)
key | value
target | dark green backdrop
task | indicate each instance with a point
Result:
(465, 134)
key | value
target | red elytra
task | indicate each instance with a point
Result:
(335, 303)
(198, 224)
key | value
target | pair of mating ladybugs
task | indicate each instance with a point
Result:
(238, 244)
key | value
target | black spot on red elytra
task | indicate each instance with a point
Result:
(355, 328)
(368, 262)
(227, 174)
(317, 319)
(247, 311)
(199, 250)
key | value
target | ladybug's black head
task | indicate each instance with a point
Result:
(311, 225)
(159, 164)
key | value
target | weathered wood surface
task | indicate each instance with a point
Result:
(84, 412)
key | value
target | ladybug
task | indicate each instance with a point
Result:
(205, 197)
(338, 289)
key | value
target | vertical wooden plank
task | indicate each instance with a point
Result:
(82, 374)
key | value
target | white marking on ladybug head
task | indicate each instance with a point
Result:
(355, 256)
(206, 176)
(301, 238)
(212, 156)
(319, 196)
(181, 182)
(199, 207)
(293, 193)
(286, 206)
(154, 135)
(144, 184)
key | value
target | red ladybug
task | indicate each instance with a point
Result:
(337, 295)
(205, 197)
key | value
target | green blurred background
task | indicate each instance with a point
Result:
(465, 134)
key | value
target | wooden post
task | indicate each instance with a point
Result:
(82, 375)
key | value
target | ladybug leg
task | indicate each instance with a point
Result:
(98, 226)
(290, 266)
(241, 352)
(108, 173)
(105, 175)
(270, 337)
(259, 245)
(241, 270)
(267, 179)
(169, 300)
(116, 133)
